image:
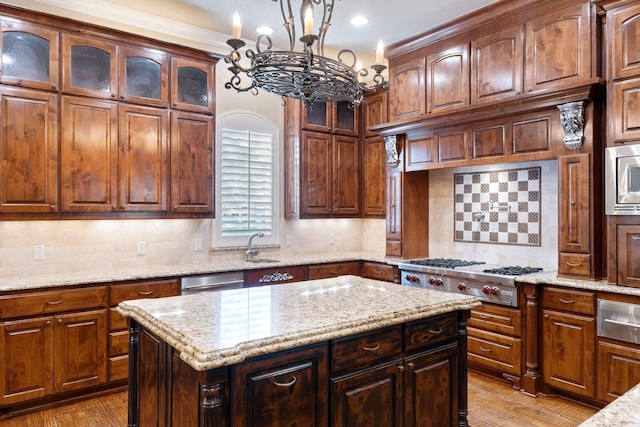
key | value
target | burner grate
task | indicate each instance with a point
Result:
(444, 262)
(513, 270)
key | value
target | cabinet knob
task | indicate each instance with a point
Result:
(113, 207)
(401, 368)
(410, 365)
(546, 316)
(121, 96)
(53, 207)
(113, 95)
(54, 86)
(59, 321)
(48, 322)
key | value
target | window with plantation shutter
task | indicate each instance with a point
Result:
(246, 180)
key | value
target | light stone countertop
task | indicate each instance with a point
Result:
(622, 412)
(550, 278)
(221, 328)
(43, 281)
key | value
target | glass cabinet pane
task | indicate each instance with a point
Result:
(345, 116)
(144, 77)
(90, 68)
(193, 86)
(25, 55)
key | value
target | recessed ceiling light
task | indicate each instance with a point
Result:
(359, 21)
(265, 30)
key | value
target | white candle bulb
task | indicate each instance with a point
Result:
(308, 21)
(237, 27)
(380, 53)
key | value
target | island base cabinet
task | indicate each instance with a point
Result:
(618, 369)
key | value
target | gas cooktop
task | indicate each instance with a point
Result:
(513, 270)
(444, 262)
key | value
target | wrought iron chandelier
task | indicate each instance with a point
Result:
(307, 74)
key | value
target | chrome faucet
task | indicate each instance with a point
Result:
(250, 251)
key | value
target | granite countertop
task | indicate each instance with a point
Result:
(43, 281)
(622, 412)
(213, 329)
(550, 278)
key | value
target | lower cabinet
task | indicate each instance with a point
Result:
(618, 368)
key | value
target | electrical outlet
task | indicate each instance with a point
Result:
(332, 239)
(198, 244)
(142, 248)
(289, 240)
(39, 252)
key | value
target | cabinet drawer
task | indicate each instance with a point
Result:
(569, 300)
(574, 264)
(374, 270)
(430, 331)
(333, 270)
(503, 320)
(151, 289)
(394, 248)
(494, 351)
(34, 303)
(116, 320)
(118, 343)
(118, 368)
(366, 349)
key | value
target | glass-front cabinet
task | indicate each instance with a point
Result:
(192, 85)
(29, 55)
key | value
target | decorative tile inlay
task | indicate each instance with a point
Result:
(498, 206)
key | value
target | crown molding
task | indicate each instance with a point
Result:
(142, 23)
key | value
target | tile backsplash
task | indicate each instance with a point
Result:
(499, 206)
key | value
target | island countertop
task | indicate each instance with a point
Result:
(221, 328)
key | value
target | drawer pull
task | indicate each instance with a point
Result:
(145, 293)
(566, 301)
(291, 382)
(374, 348)
(55, 302)
(435, 331)
(573, 264)
(486, 350)
(484, 316)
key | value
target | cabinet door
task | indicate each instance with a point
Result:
(421, 152)
(448, 79)
(89, 67)
(453, 145)
(374, 167)
(191, 162)
(407, 99)
(568, 357)
(192, 85)
(424, 374)
(316, 159)
(618, 369)
(286, 390)
(28, 151)
(26, 360)
(558, 48)
(497, 65)
(628, 239)
(89, 155)
(625, 110)
(143, 76)
(29, 55)
(346, 176)
(625, 46)
(144, 162)
(394, 204)
(371, 397)
(81, 350)
(346, 119)
(375, 111)
(318, 118)
(574, 193)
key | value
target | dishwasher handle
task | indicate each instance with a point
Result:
(215, 285)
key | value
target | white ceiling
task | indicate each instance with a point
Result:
(389, 20)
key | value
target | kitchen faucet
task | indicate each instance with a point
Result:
(250, 251)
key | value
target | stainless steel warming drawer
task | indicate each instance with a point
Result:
(619, 320)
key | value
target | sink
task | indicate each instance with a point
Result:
(263, 261)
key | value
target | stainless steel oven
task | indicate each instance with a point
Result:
(622, 180)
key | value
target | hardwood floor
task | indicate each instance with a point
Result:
(492, 403)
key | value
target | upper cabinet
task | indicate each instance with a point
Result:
(29, 55)
(407, 89)
(341, 118)
(192, 84)
(448, 79)
(624, 41)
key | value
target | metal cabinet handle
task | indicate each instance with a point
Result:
(374, 348)
(566, 301)
(55, 302)
(486, 350)
(145, 293)
(435, 331)
(484, 316)
(291, 382)
(572, 264)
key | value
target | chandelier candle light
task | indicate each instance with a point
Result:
(307, 74)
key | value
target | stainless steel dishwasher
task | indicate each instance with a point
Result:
(619, 320)
(212, 282)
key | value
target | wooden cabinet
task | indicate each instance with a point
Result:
(118, 363)
(28, 151)
(375, 111)
(29, 55)
(290, 389)
(626, 238)
(334, 269)
(379, 271)
(62, 335)
(495, 341)
(624, 29)
(374, 156)
(568, 340)
(407, 94)
(618, 369)
(332, 117)
(275, 275)
(448, 79)
(192, 85)
(559, 48)
(625, 114)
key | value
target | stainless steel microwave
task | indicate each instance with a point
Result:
(622, 180)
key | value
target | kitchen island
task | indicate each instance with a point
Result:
(345, 351)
